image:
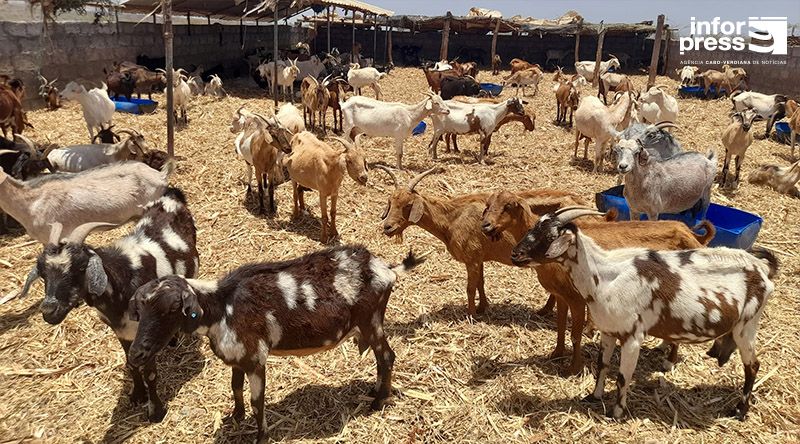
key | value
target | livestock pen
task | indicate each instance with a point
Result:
(487, 379)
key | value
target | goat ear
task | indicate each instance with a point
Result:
(133, 307)
(96, 278)
(417, 208)
(560, 245)
(644, 156)
(386, 210)
(191, 306)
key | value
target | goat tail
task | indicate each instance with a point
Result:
(708, 232)
(410, 262)
(169, 167)
(712, 155)
(768, 256)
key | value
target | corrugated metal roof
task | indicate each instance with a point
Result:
(255, 9)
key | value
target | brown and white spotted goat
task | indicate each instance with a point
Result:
(162, 243)
(687, 296)
(293, 308)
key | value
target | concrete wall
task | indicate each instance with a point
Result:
(764, 76)
(81, 50)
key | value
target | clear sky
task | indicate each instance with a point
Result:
(678, 12)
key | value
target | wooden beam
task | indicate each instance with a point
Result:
(651, 79)
(188, 23)
(241, 32)
(494, 41)
(353, 48)
(667, 35)
(329, 29)
(116, 18)
(598, 57)
(385, 45)
(578, 42)
(389, 45)
(375, 41)
(445, 37)
(209, 19)
(275, 56)
(167, 11)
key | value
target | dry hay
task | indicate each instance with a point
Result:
(456, 380)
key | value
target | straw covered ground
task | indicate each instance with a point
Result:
(456, 379)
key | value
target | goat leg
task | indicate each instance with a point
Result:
(155, 408)
(603, 363)
(561, 327)
(323, 209)
(256, 380)
(138, 394)
(333, 232)
(548, 306)
(739, 162)
(578, 311)
(629, 356)
(483, 305)
(237, 385)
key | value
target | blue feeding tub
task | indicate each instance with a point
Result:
(419, 129)
(783, 133)
(134, 106)
(492, 88)
(697, 91)
(735, 228)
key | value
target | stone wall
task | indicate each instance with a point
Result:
(764, 76)
(81, 50)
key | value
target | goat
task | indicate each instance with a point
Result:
(214, 87)
(336, 97)
(49, 93)
(312, 67)
(556, 54)
(361, 77)
(106, 135)
(434, 78)
(497, 62)
(442, 65)
(586, 68)
(98, 109)
(729, 78)
(315, 165)
(523, 78)
(655, 106)
(771, 108)
(612, 82)
(506, 211)
(659, 143)
(522, 65)
(603, 124)
(655, 186)
(315, 100)
(363, 115)
(466, 118)
(14, 84)
(162, 243)
(120, 83)
(145, 80)
(568, 95)
(459, 86)
(196, 85)
(736, 138)
(687, 74)
(781, 179)
(793, 111)
(21, 159)
(457, 223)
(289, 117)
(308, 305)
(76, 158)
(528, 119)
(182, 95)
(75, 199)
(686, 296)
(286, 77)
(11, 113)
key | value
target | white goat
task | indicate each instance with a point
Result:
(286, 78)
(687, 74)
(594, 120)
(311, 67)
(291, 118)
(361, 77)
(75, 158)
(442, 65)
(112, 193)
(656, 106)
(196, 85)
(181, 94)
(98, 109)
(214, 87)
(685, 296)
(363, 115)
(771, 108)
(586, 68)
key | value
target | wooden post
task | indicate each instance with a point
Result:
(651, 79)
(241, 32)
(578, 42)
(167, 5)
(494, 42)
(445, 37)
(668, 32)
(598, 57)
(275, 55)
(389, 44)
(385, 43)
(209, 19)
(375, 41)
(116, 17)
(353, 47)
(154, 18)
(328, 10)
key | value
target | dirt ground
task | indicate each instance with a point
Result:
(456, 379)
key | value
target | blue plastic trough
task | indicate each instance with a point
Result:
(783, 133)
(735, 228)
(134, 106)
(419, 129)
(492, 88)
(698, 91)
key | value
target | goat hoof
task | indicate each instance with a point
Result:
(481, 309)
(238, 413)
(557, 353)
(138, 397)
(617, 412)
(740, 411)
(572, 370)
(156, 414)
(377, 404)
(590, 398)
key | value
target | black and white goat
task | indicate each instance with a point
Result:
(688, 296)
(297, 307)
(162, 243)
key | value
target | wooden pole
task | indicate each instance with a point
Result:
(116, 17)
(668, 33)
(167, 10)
(329, 29)
(188, 23)
(598, 57)
(209, 19)
(375, 41)
(445, 37)
(353, 47)
(494, 41)
(389, 44)
(578, 42)
(651, 79)
(275, 55)
(385, 44)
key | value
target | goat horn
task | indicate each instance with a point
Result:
(161, 70)
(128, 131)
(27, 142)
(8, 152)
(413, 182)
(80, 232)
(345, 143)
(391, 174)
(665, 124)
(568, 214)
(55, 233)
(662, 87)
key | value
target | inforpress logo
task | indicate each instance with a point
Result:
(768, 35)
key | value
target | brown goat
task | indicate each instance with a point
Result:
(315, 98)
(434, 78)
(336, 96)
(11, 113)
(567, 97)
(781, 179)
(528, 120)
(521, 65)
(729, 77)
(457, 222)
(508, 212)
(793, 111)
(496, 63)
